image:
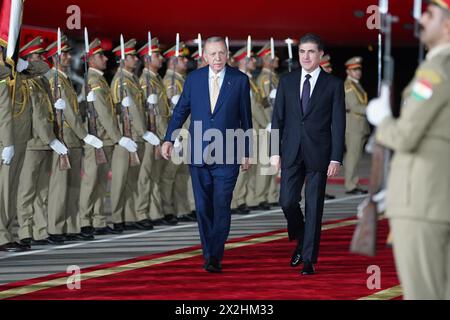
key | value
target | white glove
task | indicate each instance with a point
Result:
(379, 108)
(127, 102)
(22, 65)
(273, 94)
(151, 138)
(175, 99)
(93, 141)
(269, 127)
(380, 199)
(152, 99)
(274, 160)
(91, 96)
(60, 104)
(7, 154)
(128, 144)
(177, 143)
(58, 147)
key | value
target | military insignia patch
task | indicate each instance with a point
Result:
(422, 89)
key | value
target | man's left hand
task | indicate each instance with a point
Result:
(333, 169)
(245, 164)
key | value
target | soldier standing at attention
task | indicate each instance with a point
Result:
(357, 129)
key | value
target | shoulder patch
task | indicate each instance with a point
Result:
(430, 76)
(422, 89)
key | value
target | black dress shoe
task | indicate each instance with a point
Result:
(263, 206)
(169, 220)
(329, 196)
(79, 237)
(43, 242)
(308, 268)
(87, 231)
(213, 265)
(274, 204)
(14, 247)
(356, 191)
(186, 218)
(105, 230)
(243, 209)
(140, 225)
(56, 239)
(26, 241)
(119, 227)
(297, 255)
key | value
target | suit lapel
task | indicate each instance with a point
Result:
(205, 80)
(318, 89)
(296, 90)
(224, 90)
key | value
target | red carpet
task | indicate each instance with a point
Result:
(259, 271)
(341, 181)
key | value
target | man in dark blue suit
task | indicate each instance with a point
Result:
(217, 97)
(309, 116)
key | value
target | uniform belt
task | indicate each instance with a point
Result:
(356, 113)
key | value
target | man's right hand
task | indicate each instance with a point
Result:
(276, 162)
(128, 144)
(166, 150)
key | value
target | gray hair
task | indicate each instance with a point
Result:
(215, 40)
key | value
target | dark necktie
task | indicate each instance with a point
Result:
(306, 93)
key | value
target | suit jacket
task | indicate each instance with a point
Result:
(319, 135)
(232, 111)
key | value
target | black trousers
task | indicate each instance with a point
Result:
(304, 228)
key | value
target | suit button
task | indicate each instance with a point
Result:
(212, 119)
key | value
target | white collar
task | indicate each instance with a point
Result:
(314, 74)
(221, 74)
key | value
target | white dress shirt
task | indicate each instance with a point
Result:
(211, 79)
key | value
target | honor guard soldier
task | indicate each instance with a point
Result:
(64, 190)
(200, 61)
(158, 112)
(177, 194)
(127, 94)
(35, 114)
(357, 128)
(267, 82)
(95, 179)
(325, 63)
(418, 187)
(7, 242)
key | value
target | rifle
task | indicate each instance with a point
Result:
(151, 114)
(289, 44)
(417, 13)
(126, 123)
(100, 156)
(272, 58)
(365, 235)
(64, 163)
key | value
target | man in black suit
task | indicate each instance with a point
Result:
(309, 114)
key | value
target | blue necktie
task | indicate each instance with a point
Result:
(306, 93)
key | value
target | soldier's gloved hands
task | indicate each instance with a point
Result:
(127, 102)
(128, 144)
(22, 65)
(60, 104)
(177, 143)
(273, 94)
(91, 96)
(379, 108)
(275, 161)
(152, 99)
(7, 154)
(93, 141)
(175, 99)
(58, 147)
(151, 138)
(269, 127)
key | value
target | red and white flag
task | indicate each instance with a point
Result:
(10, 23)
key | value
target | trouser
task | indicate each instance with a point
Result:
(306, 229)
(123, 187)
(64, 195)
(213, 190)
(241, 190)
(354, 143)
(34, 180)
(176, 189)
(94, 188)
(422, 257)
